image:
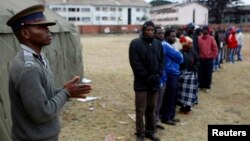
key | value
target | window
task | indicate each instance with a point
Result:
(137, 18)
(72, 19)
(137, 9)
(72, 9)
(113, 18)
(112, 9)
(85, 9)
(168, 19)
(104, 18)
(97, 18)
(56, 9)
(105, 9)
(86, 19)
(120, 9)
(97, 8)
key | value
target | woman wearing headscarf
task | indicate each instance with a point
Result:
(188, 79)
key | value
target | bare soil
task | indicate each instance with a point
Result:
(106, 64)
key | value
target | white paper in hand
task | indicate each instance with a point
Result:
(86, 81)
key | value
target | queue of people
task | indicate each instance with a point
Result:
(169, 67)
(190, 56)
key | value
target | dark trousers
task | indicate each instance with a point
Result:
(145, 104)
(205, 73)
(168, 107)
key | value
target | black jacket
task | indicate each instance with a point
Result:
(147, 62)
(191, 61)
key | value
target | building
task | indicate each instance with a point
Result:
(237, 15)
(180, 14)
(100, 15)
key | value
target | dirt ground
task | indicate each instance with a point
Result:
(106, 64)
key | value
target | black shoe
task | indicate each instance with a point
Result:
(152, 137)
(169, 122)
(160, 126)
(140, 138)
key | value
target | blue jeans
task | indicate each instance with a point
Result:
(217, 61)
(222, 55)
(239, 55)
(231, 55)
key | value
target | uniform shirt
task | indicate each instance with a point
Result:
(35, 103)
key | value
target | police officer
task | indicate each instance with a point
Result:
(35, 102)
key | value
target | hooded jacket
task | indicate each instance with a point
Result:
(146, 60)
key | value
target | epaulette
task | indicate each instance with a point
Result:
(28, 59)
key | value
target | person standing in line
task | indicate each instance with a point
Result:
(173, 59)
(159, 35)
(239, 38)
(188, 80)
(232, 45)
(208, 51)
(219, 38)
(178, 31)
(147, 63)
(227, 50)
(35, 102)
(193, 31)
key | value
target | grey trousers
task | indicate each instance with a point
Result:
(159, 102)
(145, 105)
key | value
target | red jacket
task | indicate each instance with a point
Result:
(232, 42)
(207, 47)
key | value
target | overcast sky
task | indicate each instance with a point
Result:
(247, 2)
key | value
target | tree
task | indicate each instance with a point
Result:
(216, 8)
(160, 2)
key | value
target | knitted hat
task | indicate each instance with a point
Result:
(186, 41)
(146, 24)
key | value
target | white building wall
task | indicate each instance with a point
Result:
(104, 16)
(186, 14)
(160, 18)
(202, 16)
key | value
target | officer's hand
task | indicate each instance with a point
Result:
(77, 90)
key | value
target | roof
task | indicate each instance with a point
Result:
(243, 7)
(184, 4)
(167, 6)
(101, 2)
(174, 5)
